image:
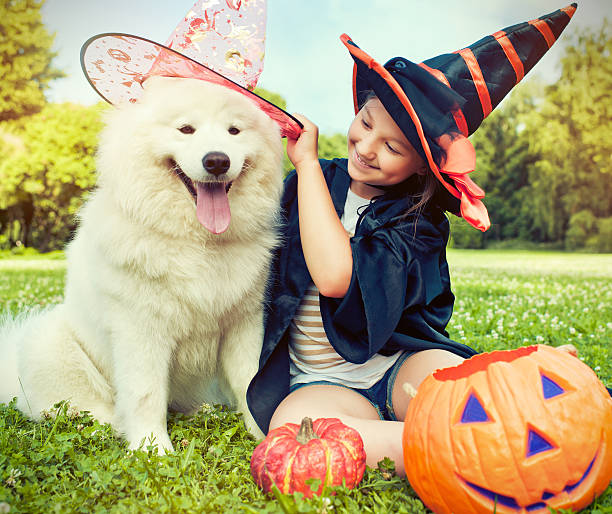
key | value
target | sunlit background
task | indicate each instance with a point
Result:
(305, 61)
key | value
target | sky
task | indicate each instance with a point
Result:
(305, 61)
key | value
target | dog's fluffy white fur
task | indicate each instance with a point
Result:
(159, 312)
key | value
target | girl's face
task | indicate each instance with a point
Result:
(379, 152)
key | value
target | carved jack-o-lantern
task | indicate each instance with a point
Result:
(512, 431)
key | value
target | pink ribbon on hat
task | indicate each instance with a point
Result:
(459, 161)
(219, 41)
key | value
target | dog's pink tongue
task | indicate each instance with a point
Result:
(213, 206)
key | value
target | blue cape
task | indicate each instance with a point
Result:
(399, 297)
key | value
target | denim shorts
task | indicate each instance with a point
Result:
(379, 395)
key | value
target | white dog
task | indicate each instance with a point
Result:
(164, 294)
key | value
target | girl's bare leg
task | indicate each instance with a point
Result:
(414, 370)
(380, 438)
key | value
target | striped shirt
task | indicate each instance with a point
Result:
(313, 358)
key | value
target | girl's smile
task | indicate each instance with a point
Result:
(379, 152)
(360, 160)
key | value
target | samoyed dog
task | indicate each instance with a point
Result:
(166, 274)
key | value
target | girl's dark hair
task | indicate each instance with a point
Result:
(428, 182)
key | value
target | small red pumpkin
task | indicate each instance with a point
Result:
(513, 431)
(327, 450)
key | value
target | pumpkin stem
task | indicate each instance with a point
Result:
(306, 432)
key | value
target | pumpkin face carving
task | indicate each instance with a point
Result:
(512, 431)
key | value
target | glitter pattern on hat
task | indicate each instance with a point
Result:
(219, 41)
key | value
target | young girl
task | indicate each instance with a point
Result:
(360, 291)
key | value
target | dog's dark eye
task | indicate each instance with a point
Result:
(187, 129)
(233, 130)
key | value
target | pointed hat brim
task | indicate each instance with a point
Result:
(116, 65)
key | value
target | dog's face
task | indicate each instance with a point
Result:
(206, 138)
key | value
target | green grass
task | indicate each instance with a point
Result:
(72, 464)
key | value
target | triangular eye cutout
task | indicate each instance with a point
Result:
(474, 412)
(537, 444)
(550, 388)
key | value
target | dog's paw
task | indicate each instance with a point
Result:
(160, 441)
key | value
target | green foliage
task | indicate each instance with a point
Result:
(25, 59)
(602, 241)
(46, 166)
(582, 226)
(571, 132)
(502, 164)
(543, 155)
(271, 97)
(331, 147)
(70, 463)
(463, 235)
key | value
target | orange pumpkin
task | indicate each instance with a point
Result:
(511, 431)
(291, 454)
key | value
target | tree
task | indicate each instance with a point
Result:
(329, 146)
(46, 168)
(572, 133)
(503, 159)
(25, 59)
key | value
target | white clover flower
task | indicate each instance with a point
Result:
(14, 474)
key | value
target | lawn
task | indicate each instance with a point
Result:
(69, 463)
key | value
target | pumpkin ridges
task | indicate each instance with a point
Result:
(352, 454)
(289, 471)
(351, 478)
(283, 460)
(426, 441)
(452, 444)
(334, 431)
(277, 456)
(494, 372)
(328, 469)
(260, 463)
(310, 463)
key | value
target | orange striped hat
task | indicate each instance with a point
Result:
(440, 102)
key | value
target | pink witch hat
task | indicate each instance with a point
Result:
(219, 41)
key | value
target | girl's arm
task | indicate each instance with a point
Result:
(325, 243)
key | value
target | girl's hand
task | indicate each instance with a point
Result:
(305, 148)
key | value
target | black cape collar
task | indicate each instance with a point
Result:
(393, 202)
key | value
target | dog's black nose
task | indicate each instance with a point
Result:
(216, 163)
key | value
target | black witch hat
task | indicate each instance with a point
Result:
(437, 104)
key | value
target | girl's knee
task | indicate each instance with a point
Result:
(414, 370)
(322, 401)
